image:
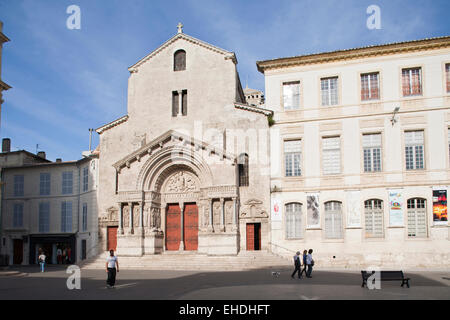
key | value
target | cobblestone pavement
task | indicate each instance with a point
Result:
(261, 284)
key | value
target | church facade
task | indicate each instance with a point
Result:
(181, 171)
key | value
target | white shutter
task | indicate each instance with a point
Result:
(294, 228)
(333, 220)
(371, 140)
(414, 138)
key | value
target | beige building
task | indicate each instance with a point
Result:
(3, 85)
(181, 171)
(48, 205)
(254, 97)
(360, 154)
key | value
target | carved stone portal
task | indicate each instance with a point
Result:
(181, 182)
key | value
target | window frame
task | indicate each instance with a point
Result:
(86, 179)
(178, 51)
(296, 217)
(322, 150)
(85, 217)
(66, 188)
(300, 96)
(243, 167)
(425, 218)
(329, 104)
(293, 154)
(370, 99)
(45, 185)
(44, 217)
(421, 77)
(334, 211)
(66, 216)
(18, 215)
(371, 148)
(19, 186)
(414, 151)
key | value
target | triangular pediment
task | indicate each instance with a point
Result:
(182, 37)
(167, 139)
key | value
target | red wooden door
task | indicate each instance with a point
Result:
(191, 227)
(18, 251)
(250, 236)
(173, 227)
(112, 238)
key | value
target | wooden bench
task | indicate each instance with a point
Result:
(386, 276)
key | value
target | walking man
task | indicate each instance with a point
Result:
(305, 254)
(112, 266)
(310, 263)
(297, 265)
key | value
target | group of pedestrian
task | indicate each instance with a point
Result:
(306, 261)
(63, 254)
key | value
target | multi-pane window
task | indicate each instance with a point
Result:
(329, 91)
(292, 158)
(18, 215)
(85, 216)
(18, 185)
(44, 184)
(417, 218)
(372, 152)
(412, 82)
(370, 86)
(414, 150)
(447, 76)
(294, 229)
(291, 95)
(66, 216)
(243, 170)
(333, 220)
(179, 60)
(85, 179)
(373, 213)
(67, 182)
(331, 153)
(44, 217)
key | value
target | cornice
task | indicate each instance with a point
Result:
(111, 124)
(247, 107)
(355, 53)
(3, 38)
(4, 86)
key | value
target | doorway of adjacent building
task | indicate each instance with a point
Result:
(112, 238)
(18, 251)
(253, 236)
(83, 249)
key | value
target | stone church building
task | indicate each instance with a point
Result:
(186, 169)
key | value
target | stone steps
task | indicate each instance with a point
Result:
(182, 261)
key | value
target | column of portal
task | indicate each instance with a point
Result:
(120, 218)
(222, 215)
(210, 223)
(131, 206)
(182, 227)
(235, 217)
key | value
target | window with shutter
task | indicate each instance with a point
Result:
(293, 220)
(292, 158)
(66, 216)
(373, 213)
(291, 95)
(417, 218)
(333, 220)
(18, 215)
(370, 86)
(44, 184)
(19, 185)
(179, 63)
(331, 153)
(67, 182)
(414, 150)
(412, 82)
(44, 217)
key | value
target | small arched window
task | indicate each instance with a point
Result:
(179, 60)
(333, 220)
(243, 170)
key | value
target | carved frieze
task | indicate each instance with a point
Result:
(253, 209)
(181, 182)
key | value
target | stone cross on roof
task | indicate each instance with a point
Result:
(180, 27)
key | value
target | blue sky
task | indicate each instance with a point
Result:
(67, 81)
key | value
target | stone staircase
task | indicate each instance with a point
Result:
(194, 262)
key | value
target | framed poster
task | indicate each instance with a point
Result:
(396, 208)
(440, 206)
(312, 211)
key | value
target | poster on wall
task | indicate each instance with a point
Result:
(276, 208)
(395, 208)
(440, 206)
(312, 212)
(353, 209)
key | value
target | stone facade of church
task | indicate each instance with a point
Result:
(181, 171)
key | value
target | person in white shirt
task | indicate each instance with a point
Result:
(112, 266)
(309, 263)
(41, 260)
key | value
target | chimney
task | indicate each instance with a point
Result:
(41, 154)
(6, 145)
(59, 160)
